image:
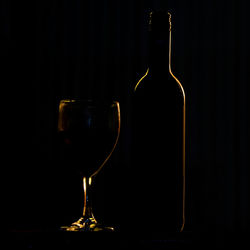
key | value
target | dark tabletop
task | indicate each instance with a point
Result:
(53, 238)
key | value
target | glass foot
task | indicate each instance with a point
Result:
(86, 225)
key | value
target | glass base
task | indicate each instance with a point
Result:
(86, 225)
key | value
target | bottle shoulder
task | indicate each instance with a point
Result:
(164, 86)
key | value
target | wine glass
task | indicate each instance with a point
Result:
(89, 131)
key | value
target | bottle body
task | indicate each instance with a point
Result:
(158, 148)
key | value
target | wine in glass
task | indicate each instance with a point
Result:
(89, 131)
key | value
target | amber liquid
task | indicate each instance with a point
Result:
(87, 136)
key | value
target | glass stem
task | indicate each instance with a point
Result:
(87, 207)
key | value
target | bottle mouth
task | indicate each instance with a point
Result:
(159, 19)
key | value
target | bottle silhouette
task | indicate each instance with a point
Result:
(158, 137)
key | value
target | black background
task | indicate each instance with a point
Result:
(52, 50)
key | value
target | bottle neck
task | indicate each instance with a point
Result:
(159, 42)
(159, 54)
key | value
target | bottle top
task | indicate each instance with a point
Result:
(160, 21)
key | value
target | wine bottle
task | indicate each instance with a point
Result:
(158, 145)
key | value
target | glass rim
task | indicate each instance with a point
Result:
(90, 101)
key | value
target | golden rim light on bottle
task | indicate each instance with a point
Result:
(184, 114)
(184, 125)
